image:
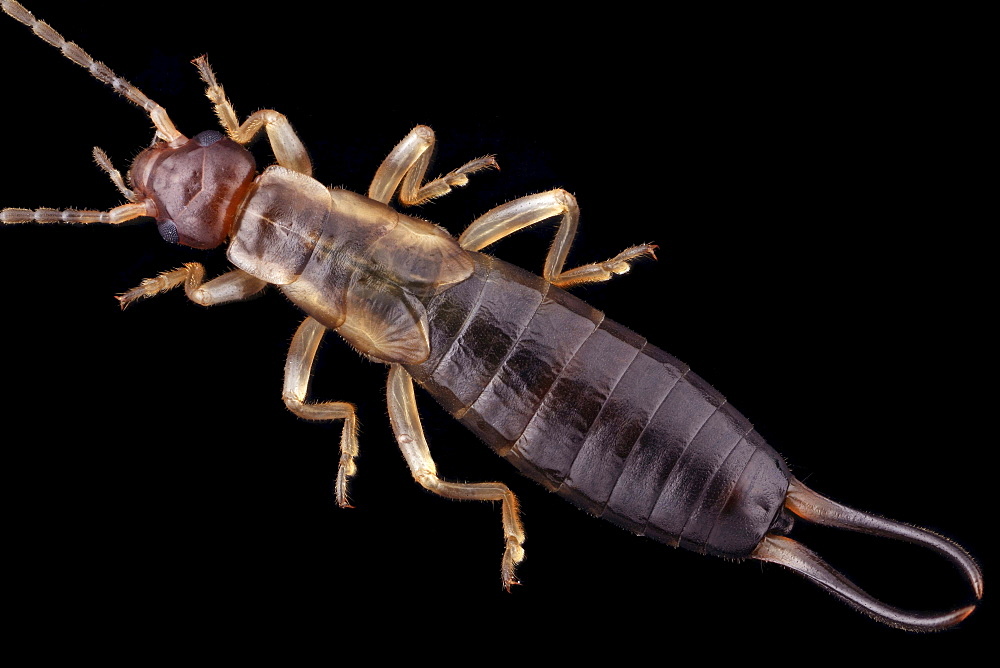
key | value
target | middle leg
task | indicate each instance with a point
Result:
(298, 368)
(404, 169)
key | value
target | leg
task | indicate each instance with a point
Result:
(513, 216)
(410, 435)
(407, 164)
(288, 148)
(231, 286)
(298, 366)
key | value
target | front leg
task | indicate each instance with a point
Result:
(231, 286)
(288, 148)
(410, 436)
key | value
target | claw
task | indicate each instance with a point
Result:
(816, 508)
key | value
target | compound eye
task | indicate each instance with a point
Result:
(208, 137)
(168, 231)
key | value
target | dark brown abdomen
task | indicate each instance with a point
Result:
(592, 411)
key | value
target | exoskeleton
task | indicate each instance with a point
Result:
(577, 402)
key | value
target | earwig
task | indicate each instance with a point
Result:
(577, 402)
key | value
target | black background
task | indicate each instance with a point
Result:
(814, 192)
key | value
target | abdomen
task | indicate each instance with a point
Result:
(596, 414)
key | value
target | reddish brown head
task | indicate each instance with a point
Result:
(196, 188)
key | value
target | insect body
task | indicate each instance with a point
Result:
(577, 402)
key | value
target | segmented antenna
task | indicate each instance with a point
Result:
(165, 129)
